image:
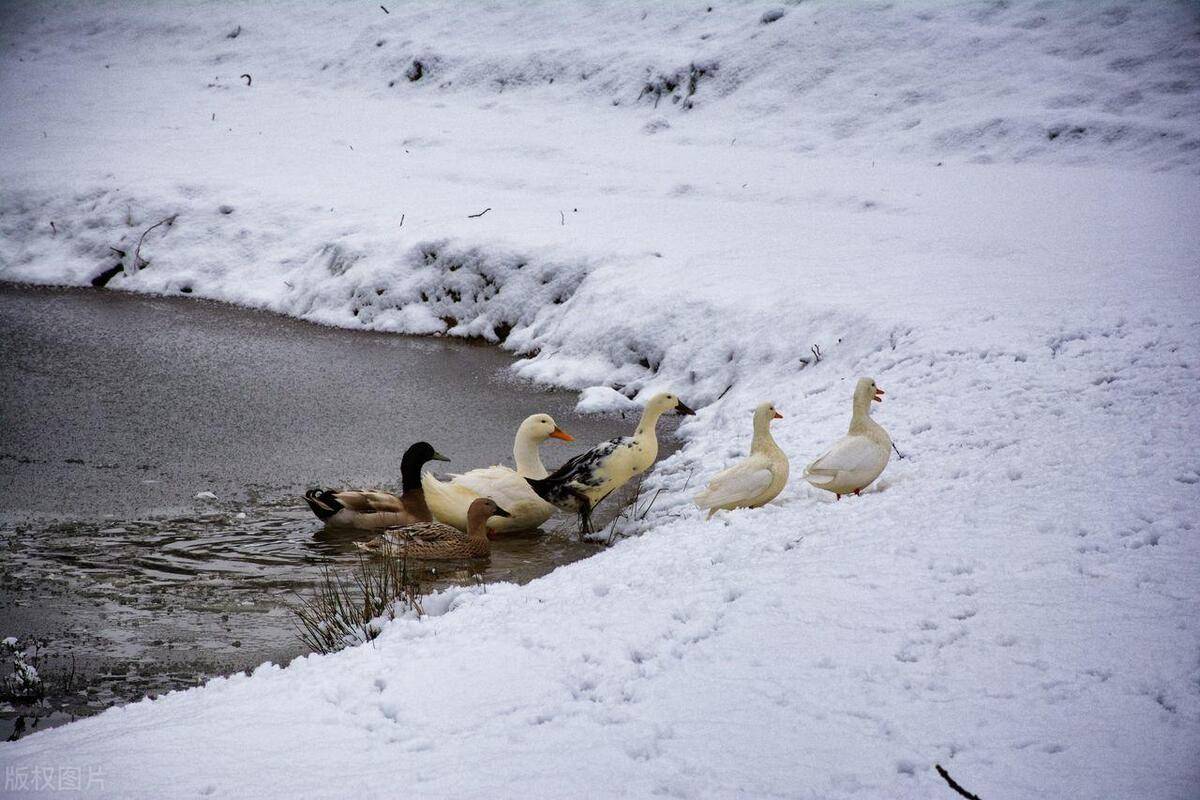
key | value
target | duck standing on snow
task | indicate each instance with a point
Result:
(373, 510)
(435, 541)
(450, 500)
(859, 457)
(580, 484)
(755, 481)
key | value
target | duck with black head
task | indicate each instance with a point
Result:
(372, 510)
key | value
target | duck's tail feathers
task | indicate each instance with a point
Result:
(541, 486)
(323, 502)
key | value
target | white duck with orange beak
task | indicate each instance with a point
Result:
(858, 458)
(450, 500)
(756, 480)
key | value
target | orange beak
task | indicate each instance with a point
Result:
(879, 393)
(777, 416)
(559, 433)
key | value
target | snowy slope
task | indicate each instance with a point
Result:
(988, 207)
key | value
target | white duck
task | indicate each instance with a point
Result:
(450, 500)
(581, 483)
(859, 457)
(754, 481)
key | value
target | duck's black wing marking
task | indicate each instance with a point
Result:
(563, 487)
(582, 468)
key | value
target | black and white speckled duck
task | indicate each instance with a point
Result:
(580, 484)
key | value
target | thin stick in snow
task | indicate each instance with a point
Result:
(401, 220)
(249, 80)
(562, 217)
(897, 449)
(480, 214)
(138, 262)
(953, 785)
(385, 10)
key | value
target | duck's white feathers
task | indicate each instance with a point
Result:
(449, 500)
(756, 480)
(747, 479)
(859, 457)
(850, 454)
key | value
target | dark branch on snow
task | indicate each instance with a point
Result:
(480, 214)
(953, 785)
(138, 261)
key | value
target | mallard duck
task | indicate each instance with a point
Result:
(435, 541)
(580, 484)
(449, 500)
(754, 481)
(859, 457)
(372, 510)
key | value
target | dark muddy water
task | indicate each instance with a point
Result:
(117, 410)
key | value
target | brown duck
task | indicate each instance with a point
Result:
(436, 541)
(374, 510)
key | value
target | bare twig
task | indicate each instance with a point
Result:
(897, 449)
(385, 10)
(249, 80)
(138, 261)
(953, 785)
(561, 217)
(401, 220)
(52, 228)
(816, 351)
(480, 214)
(691, 474)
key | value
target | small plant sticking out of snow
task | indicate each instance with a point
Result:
(345, 612)
(415, 71)
(680, 85)
(773, 15)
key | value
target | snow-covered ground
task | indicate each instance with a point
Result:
(988, 207)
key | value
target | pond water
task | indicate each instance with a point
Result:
(118, 409)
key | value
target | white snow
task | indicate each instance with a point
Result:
(987, 207)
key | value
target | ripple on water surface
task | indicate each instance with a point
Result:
(146, 606)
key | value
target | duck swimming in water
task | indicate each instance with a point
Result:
(373, 510)
(450, 500)
(436, 541)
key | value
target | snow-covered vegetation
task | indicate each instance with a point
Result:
(988, 207)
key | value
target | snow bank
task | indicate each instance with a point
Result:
(1063, 82)
(987, 207)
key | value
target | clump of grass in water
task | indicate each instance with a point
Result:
(344, 612)
(23, 683)
(632, 514)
